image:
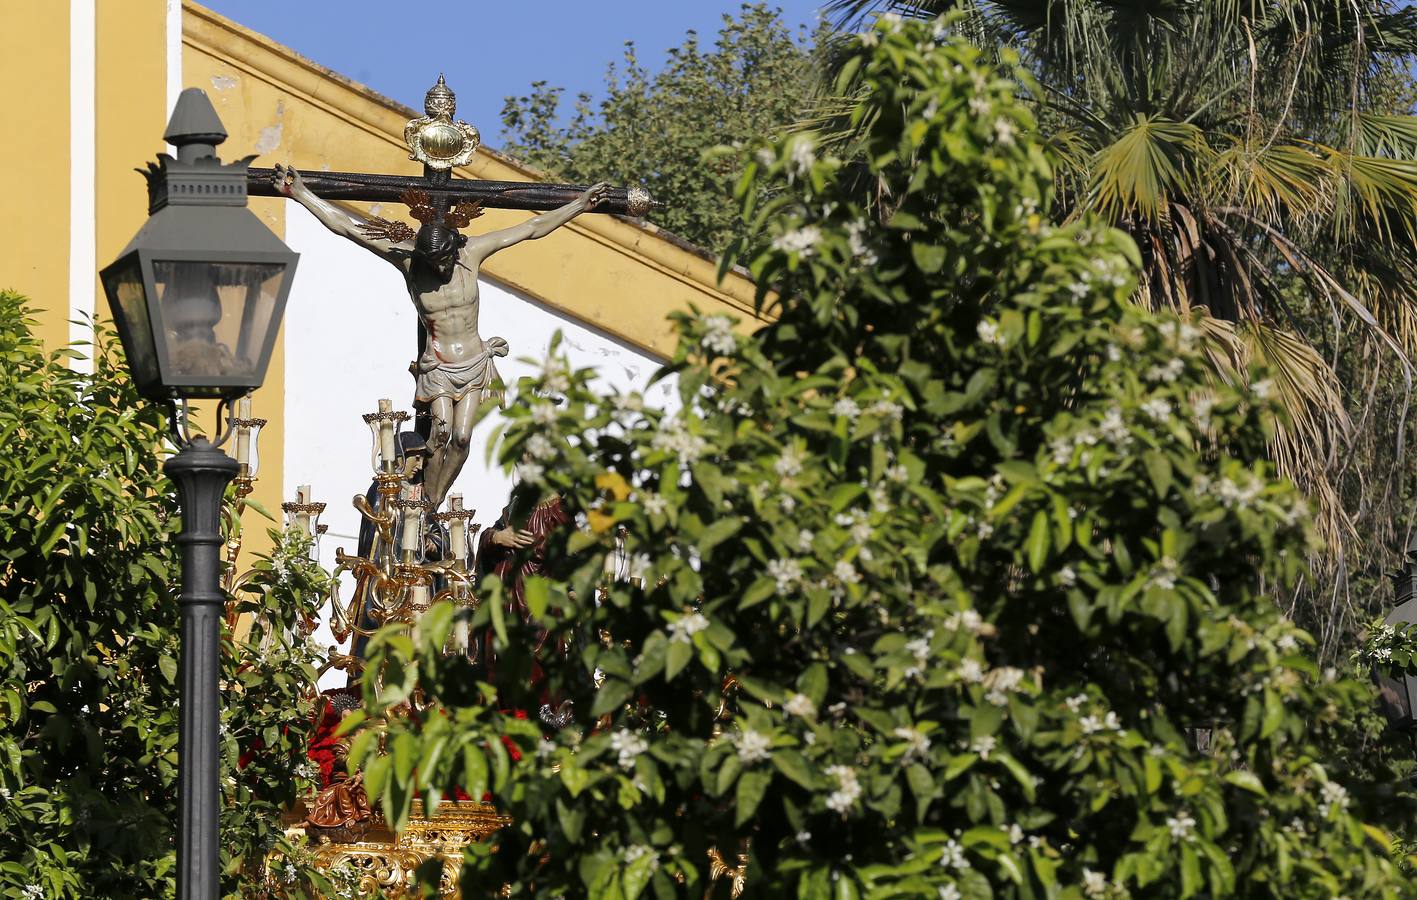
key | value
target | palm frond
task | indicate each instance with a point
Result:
(1150, 161)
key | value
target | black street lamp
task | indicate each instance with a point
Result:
(197, 298)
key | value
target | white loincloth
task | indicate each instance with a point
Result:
(436, 378)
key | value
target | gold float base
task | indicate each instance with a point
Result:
(385, 860)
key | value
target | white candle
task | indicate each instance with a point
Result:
(386, 436)
(302, 518)
(243, 435)
(457, 529)
(408, 540)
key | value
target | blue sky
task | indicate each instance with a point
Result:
(488, 50)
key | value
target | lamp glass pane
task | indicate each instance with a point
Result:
(216, 316)
(124, 286)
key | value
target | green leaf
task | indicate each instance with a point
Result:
(537, 591)
(1038, 537)
(679, 655)
(751, 787)
(794, 765)
(929, 258)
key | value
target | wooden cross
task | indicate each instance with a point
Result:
(440, 143)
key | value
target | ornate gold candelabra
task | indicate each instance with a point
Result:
(410, 557)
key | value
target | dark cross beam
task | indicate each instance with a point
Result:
(445, 191)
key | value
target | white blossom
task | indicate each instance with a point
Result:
(897, 473)
(631, 402)
(674, 436)
(1114, 428)
(1262, 389)
(538, 447)
(846, 406)
(800, 705)
(800, 158)
(789, 464)
(1164, 576)
(846, 573)
(636, 852)
(984, 745)
(32, 892)
(1168, 372)
(804, 540)
(683, 629)
(950, 892)
(1181, 826)
(1016, 834)
(1076, 702)
(1157, 408)
(952, 856)
(655, 504)
(1067, 577)
(1004, 131)
(886, 409)
(869, 38)
(786, 572)
(917, 743)
(1001, 682)
(766, 157)
(802, 241)
(856, 239)
(966, 619)
(1092, 724)
(1333, 794)
(543, 413)
(627, 745)
(718, 335)
(848, 788)
(1094, 884)
(970, 670)
(980, 106)
(988, 331)
(531, 472)
(752, 746)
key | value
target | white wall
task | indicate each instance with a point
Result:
(350, 333)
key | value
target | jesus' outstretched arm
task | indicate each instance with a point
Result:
(479, 248)
(374, 235)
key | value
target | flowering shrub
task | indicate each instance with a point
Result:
(949, 583)
(89, 645)
(1392, 648)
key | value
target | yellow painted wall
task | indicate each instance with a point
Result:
(34, 154)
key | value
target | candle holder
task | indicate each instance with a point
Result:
(305, 515)
(384, 426)
(248, 453)
(461, 530)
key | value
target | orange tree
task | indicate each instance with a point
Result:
(951, 582)
(89, 646)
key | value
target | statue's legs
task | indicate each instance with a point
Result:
(451, 437)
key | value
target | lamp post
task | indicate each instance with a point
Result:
(197, 298)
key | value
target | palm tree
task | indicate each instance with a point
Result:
(1255, 151)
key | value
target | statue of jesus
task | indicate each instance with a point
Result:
(455, 373)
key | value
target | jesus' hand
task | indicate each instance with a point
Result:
(286, 180)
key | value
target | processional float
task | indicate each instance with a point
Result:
(413, 552)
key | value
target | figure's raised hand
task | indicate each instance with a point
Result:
(516, 539)
(287, 181)
(596, 194)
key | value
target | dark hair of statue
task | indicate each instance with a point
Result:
(435, 239)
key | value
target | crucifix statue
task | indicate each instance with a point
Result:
(455, 370)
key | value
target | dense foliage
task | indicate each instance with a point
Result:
(89, 648)
(1263, 157)
(658, 129)
(952, 582)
